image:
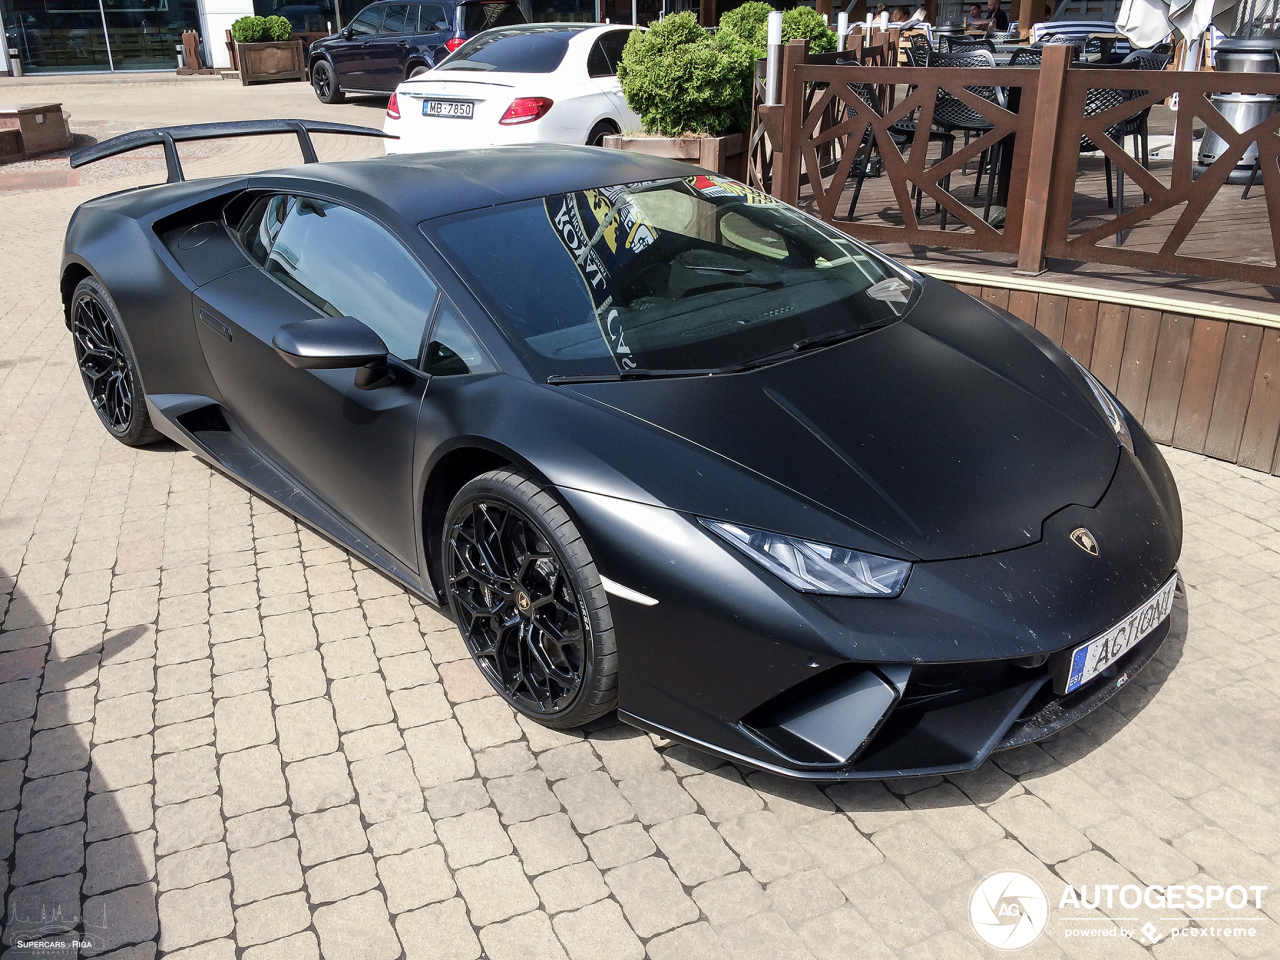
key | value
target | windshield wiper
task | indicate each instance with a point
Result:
(802, 346)
(559, 378)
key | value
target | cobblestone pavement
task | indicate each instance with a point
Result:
(222, 737)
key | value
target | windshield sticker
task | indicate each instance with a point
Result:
(717, 187)
(891, 290)
(602, 229)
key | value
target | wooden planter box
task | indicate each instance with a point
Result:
(270, 61)
(727, 155)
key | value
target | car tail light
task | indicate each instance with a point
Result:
(393, 108)
(525, 110)
(453, 43)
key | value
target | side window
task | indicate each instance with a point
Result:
(258, 233)
(432, 19)
(395, 19)
(347, 265)
(613, 42)
(597, 63)
(454, 349)
(368, 21)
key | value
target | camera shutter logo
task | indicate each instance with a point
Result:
(1008, 910)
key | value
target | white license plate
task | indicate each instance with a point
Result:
(1090, 659)
(456, 109)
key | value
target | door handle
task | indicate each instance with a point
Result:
(218, 327)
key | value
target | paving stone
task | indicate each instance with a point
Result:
(693, 848)
(182, 645)
(803, 896)
(56, 903)
(360, 702)
(120, 862)
(118, 680)
(836, 846)
(844, 933)
(439, 931)
(870, 805)
(598, 930)
(10, 783)
(386, 786)
(119, 812)
(184, 736)
(766, 936)
(419, 877)
(244, 721)
(547, 843)
(131, 912)
(186, 775)
(306, 729)
(473, 838)
(357, 927)
(123, 717)
(300, 946)
(697, 941)
(569, 760)
(372, 742)
(265, 871)
(923, 857)
(240, 683)
(570, 887)
(186, 825)
(15, 738)
(439, 753)
(593, 802)
(651, 896)
(259, 827)
(1141, 851)
(251, 780)
(340, 625)
(195, 914)
(624, 843)
(319, 783)
(271, 920)
(626, 752)
(297, 677)
(487, 722)
(123, 763)
(340, 879)
(420, 705)
(352, 657)
(529, 937)
(66, 674)
(192, 867)
(1038, 828)
(288, 634)
(52, 801)
(765, 847)
(408, 670)
(461, 796)
(731, 899)
(504, 761)
(897, 913)
(948, 812)
(722, 794)
(182, 709)
(54, 709)
(48, 853)
(331, 834)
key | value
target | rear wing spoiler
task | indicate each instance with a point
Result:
(170, 137)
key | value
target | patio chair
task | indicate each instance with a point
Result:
(1099, 100)
(959, 46)
(1002, 36)
(920, 45)
(953, 115)
(1026, 58)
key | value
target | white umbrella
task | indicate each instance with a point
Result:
(1147, 22)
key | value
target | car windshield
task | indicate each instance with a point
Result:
(512, 51)
(679, 276)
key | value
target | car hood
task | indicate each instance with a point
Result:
(953, 432)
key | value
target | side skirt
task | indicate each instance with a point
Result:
(198, 424)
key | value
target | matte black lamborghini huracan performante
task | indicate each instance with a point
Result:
(656, 442)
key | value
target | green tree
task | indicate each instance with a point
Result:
(681, 79)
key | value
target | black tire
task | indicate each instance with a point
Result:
(518, 576)
(325, 83)
(418, 70)
(601, 130)
(107, 365)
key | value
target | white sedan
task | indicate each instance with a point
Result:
(533, 83)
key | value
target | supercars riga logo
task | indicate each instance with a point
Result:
(1008, 910)
(1085, 540)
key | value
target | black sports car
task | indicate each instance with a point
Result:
(655, 441)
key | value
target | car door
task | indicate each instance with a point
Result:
(351, 447)
(602, 66)
(351, 56)
(434, 31)
(387, 53)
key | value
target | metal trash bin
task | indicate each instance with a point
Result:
(1241, 110)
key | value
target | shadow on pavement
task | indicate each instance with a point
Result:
(78, 853)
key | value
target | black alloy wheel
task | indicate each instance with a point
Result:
(601, 130)
(528, 602)
(325, 83)
(107, 367)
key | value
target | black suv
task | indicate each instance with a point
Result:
(388, 42)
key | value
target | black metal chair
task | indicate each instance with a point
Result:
(959, 46)
(953, 115)
(1099, 100)
(919, 45)
(1030, 57)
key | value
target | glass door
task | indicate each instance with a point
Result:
(63, 36)
(144, 33)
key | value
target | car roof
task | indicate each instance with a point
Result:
(423, 186)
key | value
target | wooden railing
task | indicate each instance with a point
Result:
(812, 149)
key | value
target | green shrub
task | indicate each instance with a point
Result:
(249, 30)
(279, 29)
(750, 23)
(681, 79)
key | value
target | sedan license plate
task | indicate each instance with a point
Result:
(455, 109)
(1090, 659)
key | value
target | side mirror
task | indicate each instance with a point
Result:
(334, 343)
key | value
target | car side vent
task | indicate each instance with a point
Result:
(826, 720)
(207, 419)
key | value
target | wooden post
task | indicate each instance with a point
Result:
(707, 12)
(824, 6)
(1044, 143)
(786, 155)
(1027, 13)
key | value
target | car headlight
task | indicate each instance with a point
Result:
(1110, 409)
(816, 567)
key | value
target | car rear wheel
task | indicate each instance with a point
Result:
(527, 598)
(325, 83)
(107, 365)
(418, 71)
(601, 130)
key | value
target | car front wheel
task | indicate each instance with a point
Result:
(526, 596)
(325, 83)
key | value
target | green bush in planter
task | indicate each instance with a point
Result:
(249, 29)
(749, 22)
(279, 29)
(681, 79)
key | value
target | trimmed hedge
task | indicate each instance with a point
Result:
(750, 23)
(261, 30)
